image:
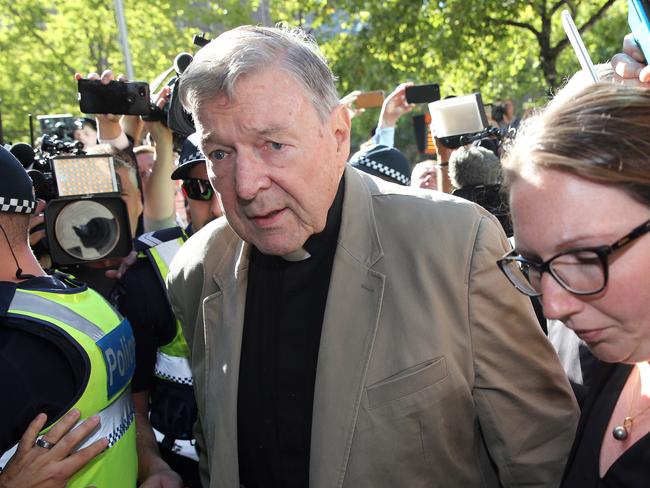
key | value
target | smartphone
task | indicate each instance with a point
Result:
(116, 97)
(638, 18)
(422, 93)
(370, 99)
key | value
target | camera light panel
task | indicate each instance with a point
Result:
(459, 115)
(85, 175)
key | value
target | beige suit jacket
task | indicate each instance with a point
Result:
(432, 369)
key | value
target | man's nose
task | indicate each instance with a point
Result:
(250, 174)
(557, 302)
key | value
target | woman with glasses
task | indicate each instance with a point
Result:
(579, 176)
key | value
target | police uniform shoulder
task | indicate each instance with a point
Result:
(152, 239)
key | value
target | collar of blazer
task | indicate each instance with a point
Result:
(357, 236)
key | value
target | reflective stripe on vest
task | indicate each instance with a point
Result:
(115, 420)
(173, 368)
(39, 305)
(87, 319)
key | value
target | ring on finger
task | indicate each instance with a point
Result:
(44, 443)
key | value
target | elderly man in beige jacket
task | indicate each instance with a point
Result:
(345, 331)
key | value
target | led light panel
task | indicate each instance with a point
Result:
(85, 175)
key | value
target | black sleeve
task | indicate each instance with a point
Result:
(36, 375)
(142, 300)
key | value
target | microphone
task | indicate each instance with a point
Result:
(24, 153)
(181, 62)
(41, 185)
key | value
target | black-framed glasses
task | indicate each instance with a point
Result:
(197, 189)
(582, 271)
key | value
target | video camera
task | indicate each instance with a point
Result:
(172, 114)
(460, 121)
(134, 98)
(60, 126)
(85, 218)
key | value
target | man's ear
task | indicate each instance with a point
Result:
(340, 124)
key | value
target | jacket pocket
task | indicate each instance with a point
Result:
(406, 382)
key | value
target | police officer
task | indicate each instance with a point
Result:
(162, 385)
(65, 355)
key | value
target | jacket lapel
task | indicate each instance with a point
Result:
(223, 320)
(349, 327)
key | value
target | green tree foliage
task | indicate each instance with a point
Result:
(43, 44)
(503, 48)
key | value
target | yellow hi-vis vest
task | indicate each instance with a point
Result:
(171, 360)
(106, 339)
(172, 363)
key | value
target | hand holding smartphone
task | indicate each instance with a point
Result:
(638, 18)
(116, 97)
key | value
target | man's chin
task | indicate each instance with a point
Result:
(279, 247)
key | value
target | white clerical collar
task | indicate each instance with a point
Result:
(297, 255)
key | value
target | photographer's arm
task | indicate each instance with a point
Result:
(133, 127)
(153, 472)
(394, 106)
(159, 204)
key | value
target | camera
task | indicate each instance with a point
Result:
(60, 126)
(458, 121)
(134, 98)
(85, 218)
(172, 114)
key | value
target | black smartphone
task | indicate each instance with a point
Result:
(422, 93)
(116, 97)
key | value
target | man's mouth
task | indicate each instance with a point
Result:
(267, 219)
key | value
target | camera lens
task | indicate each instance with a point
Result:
(86, 230)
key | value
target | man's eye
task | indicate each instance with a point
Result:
(277, 146)
(218, 155)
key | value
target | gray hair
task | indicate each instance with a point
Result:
(250, 49)
(474, 166)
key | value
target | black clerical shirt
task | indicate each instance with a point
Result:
(285, 305)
